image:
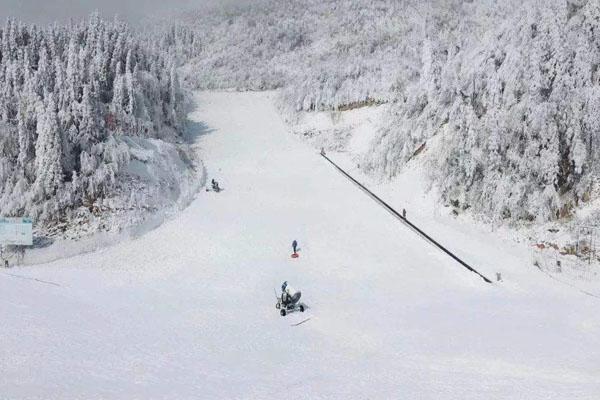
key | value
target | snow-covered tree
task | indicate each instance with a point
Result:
(67, 97)
(48, 153)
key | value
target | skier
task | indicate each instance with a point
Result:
(295, 246)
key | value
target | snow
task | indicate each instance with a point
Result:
(513, 84)
(167, 179)
(187, 310)
(351, 131)
(413, 189)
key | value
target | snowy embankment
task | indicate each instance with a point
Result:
(92, 126)
(162, 179)
(187, 310)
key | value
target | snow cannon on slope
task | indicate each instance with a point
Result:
(289, 300)
(214, 186)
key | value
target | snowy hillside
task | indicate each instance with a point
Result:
(188, 310)
(323, 53)
(511, 86)
(517, 112)
(92, 127)
(477, 121)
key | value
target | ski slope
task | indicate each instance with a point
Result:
(187, 310)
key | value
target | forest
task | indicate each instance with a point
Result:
(510, 88)
(74, 99)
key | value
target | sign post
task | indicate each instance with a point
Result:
(15, 232)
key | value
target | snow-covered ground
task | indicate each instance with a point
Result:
(187, 310)
(348, 137)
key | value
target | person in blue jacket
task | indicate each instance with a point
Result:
(295, 246)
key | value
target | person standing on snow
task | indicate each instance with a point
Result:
(295, 246)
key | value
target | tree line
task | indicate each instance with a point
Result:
(68, 96)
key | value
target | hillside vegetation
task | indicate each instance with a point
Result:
(78, 105)
(518, 111)
(510, 87)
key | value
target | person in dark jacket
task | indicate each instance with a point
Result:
(295, 246)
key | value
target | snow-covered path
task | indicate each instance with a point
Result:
(187, 311)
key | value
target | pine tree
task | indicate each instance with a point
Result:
(49, 174)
